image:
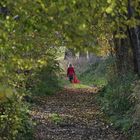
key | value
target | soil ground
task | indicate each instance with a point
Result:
(72, 114)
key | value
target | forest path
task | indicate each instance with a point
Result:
(72, 114)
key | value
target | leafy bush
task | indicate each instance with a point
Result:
(136, 97)
(15, 122)
(46, 80)
(116, 101)
(116, 95)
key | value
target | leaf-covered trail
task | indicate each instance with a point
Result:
(72, 114)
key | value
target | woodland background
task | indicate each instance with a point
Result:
(39, 38)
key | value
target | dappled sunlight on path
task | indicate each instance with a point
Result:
(72, 114)
(81, 88)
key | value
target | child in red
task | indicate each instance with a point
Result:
(70, 73)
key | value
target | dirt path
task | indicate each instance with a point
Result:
(71, 115)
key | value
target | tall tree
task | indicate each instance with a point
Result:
(134, 34)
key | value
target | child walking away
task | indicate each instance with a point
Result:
(71, 74)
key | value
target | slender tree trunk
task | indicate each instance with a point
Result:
(135, 63)
(121, 51)
(134, 34)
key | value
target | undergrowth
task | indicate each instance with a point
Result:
(46, 80)
(15, 122)
(115, 99)
(117, 95)
(95, 75)
(117, 103)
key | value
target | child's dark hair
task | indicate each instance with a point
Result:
(70, 65)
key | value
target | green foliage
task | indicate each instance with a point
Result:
(26, 38)
(124, 122)
(116, 95)
(25, 43)
(15, 122)
(116, 102)
(46, 80)
(5, 93)
(135, 97)
(95, 74)
(136, 136)
(56, 118)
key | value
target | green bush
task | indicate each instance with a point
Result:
(115, 99)
(15, 122)
(116, 95)
(46, 80)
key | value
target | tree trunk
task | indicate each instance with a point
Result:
(134, 34)
(121, 50)
(135, 63)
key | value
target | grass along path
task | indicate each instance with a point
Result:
(72, 114)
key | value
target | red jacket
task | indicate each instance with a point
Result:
(70, 71)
